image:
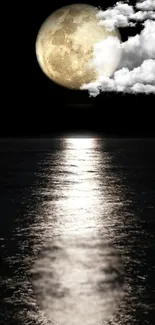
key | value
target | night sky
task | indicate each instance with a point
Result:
(33, 105)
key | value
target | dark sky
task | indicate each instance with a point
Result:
(34, 105)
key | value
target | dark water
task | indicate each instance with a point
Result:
(77, 231)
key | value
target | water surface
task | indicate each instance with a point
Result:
(76, 221)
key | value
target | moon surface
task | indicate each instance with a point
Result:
(65, 46)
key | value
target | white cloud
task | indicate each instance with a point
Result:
(146, 5)
(93, 88)
(103, 60)
(117, 16)
(124, 8)
(140, 47)
(122, 14)
(120, 9)
(142, 74)
(143, 15)
(140, 79)
(148, 38)
(141, 88)
(136, 70)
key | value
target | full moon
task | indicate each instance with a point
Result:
(65, 46)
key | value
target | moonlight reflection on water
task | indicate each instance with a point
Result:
(78, 277)
(78, 280)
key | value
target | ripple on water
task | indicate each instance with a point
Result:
(78, 280)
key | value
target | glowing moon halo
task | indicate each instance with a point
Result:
(65, 46)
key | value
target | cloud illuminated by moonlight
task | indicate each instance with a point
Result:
(136, 71)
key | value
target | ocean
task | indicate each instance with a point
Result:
(77, 231)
